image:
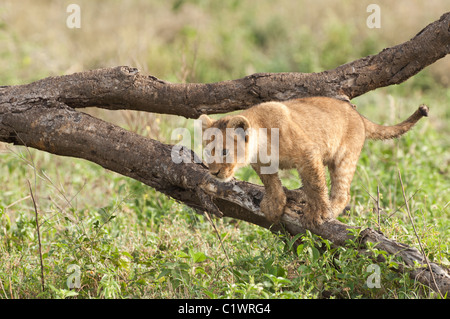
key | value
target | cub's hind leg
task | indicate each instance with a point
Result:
(312, 173)
(341, 175)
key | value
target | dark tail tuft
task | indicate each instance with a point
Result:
(380, 132)
(424, 110)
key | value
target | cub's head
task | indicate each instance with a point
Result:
(226, 144)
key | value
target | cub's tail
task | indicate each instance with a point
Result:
(380, 132)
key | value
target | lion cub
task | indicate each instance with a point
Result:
(306, 134)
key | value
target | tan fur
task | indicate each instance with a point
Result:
(313, 133)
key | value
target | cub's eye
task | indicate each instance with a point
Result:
(225, 152)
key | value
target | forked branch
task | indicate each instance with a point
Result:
(43, 115)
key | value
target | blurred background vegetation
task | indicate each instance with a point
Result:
(204, 41)
(133, 242)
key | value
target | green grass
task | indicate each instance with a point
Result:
(124, 240)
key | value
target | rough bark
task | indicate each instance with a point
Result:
(43, 115)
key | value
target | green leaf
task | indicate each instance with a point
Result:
(393, 264)
(182, 254)
(70, 293)
(200, 270)
(300, 249)
(198, 257)
(314, 254)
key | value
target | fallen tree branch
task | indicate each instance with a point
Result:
(43, 115)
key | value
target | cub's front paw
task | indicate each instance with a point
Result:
(273, 207)
(317, 214)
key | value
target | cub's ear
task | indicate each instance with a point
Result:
(206, 121)
(239, 121)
